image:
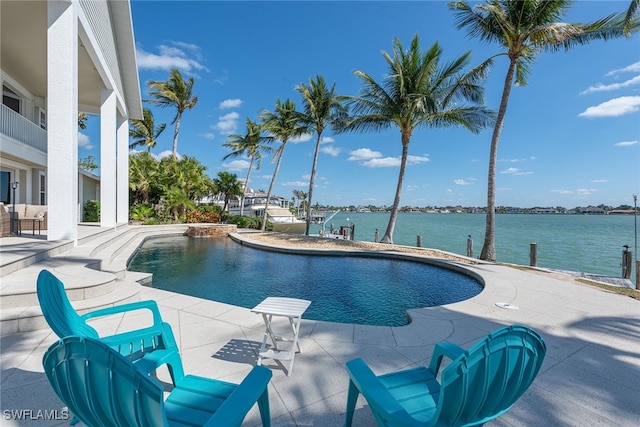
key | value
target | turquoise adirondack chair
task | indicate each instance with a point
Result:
(148, 347)
(103, 388)
(479, 385)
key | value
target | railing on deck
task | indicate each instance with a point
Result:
(21, 129)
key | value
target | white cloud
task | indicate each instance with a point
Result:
(331, 150)
(470, 181)
(626, 143)
(227, 124)
(599, 180)
(236, 165)
(614, 107)
(387, 162)
(374, 159)
(326, 140)
(613, 86)
(306, 176)
(84, 141)
(208, 135)
(183, 56)
(585, 191)
(302, 138)
(295, 184)
(635, 67)
(167, 153)
(515, 171)
(230, 103)
(364, 154)
(562, 191)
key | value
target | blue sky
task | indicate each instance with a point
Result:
(571, 136)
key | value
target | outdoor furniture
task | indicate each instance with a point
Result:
(479, 385)
(292, 309)
(103, 388)
(148, 347)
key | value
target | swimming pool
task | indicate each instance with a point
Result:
(346, 289)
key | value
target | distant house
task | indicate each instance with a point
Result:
(592, 210)
(543, 211)
(60, 58)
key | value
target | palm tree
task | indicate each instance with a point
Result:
(282, 124)
(301, 197)
(177, 93)
(321, 108)
(228, 185)
(524, 29)
(419, 92)
(144, 132)
(629, 21)
(143, 174)
(249, 145)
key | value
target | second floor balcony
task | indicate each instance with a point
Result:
(22, 130)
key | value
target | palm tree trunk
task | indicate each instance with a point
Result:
(488, 252)
(388, 234)
(175, 135)
(273, 180)
(311, 180)
(246, 185)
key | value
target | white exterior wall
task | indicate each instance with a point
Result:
(108, 159)
(122, 171)
(62, 131)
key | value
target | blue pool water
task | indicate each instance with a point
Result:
(347, 289)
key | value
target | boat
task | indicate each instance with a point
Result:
(278, 213)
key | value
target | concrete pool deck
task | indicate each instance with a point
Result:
(590, 375)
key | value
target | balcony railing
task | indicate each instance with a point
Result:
(21, 129)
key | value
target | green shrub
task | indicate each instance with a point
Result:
(245, 222)
(92, 211)
(141, 213)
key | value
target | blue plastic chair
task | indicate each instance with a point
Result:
(479, 385)
(148, 347)
(102, 388)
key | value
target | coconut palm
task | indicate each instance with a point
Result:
(251, 145)
(143, 174)
(283, 124)
(177, 93)
(301, 196)
(523, 28)
(228, 185)
(144, 132)
(631, 13)
(419, 92)
(321, 107)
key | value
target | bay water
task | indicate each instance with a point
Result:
(582, 243)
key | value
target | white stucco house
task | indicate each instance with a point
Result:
(59, 58)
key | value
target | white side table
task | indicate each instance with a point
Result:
(283, 347)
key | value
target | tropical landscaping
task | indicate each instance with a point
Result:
(420, 90)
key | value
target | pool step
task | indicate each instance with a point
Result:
(94, 274)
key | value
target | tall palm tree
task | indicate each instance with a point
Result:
(523, 28)
(144, 132)
(283, 124)
(628, 22)
(419, 92)
(321, 107)
(177, 93)
(228, 185)
(250, 144)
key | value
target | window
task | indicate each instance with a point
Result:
(43, 194)
(5, 194)
(10, 99)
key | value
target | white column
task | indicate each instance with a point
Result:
(62, 123)
(122, 215)
(108, 159)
